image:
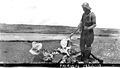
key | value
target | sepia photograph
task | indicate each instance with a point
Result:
(59, 33)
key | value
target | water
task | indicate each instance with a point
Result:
(37, 36)
(32, 36)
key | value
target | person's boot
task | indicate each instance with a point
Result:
(82, 56)
(86, 55)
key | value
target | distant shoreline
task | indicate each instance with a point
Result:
(49, 29)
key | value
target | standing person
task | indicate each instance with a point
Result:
(88, 23)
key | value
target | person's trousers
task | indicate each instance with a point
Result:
(85, 44)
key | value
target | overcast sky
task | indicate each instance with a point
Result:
(58, 12)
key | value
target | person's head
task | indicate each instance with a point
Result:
(86, 7)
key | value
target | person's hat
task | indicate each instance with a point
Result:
(86, 5)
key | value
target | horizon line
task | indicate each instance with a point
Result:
(55, 25)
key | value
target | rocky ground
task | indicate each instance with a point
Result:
(106, 48)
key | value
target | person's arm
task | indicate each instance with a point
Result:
(94, 22)
(79, 27)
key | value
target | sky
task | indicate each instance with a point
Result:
(58, 12)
